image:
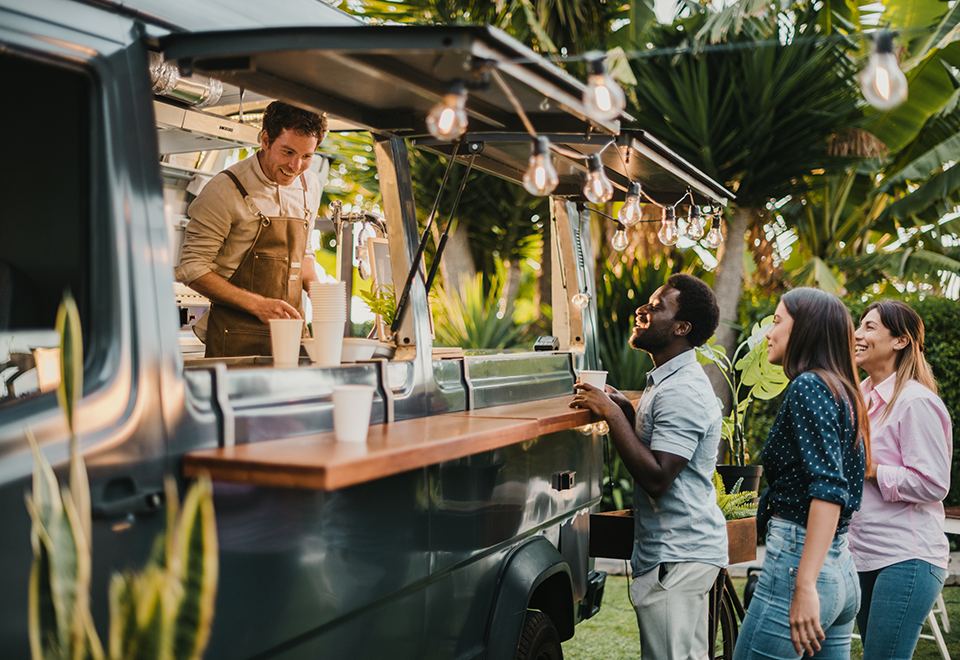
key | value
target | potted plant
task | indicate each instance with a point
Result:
(750, 376)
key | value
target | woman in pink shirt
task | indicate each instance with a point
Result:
(897, 538)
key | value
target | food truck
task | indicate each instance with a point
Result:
(460, 528)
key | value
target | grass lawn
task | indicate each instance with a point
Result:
(612, 634)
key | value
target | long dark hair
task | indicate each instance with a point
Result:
(821, 341)
(902, 321)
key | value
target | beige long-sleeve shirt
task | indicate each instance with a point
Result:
(222, 227)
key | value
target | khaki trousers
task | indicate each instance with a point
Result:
(672, 614)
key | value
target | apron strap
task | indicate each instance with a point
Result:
(246, 197)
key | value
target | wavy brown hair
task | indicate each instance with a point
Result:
(821, 341)
(901, 321)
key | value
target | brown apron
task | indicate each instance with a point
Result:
(271, 268)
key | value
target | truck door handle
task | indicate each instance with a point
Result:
(132, 502)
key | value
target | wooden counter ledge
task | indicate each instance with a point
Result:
(318, 462)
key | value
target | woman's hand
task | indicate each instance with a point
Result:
(588, 396)
(871, 472)
(805, 630)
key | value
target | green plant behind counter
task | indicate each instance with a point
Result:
(754, 372)
(164, 612)
(735, 504)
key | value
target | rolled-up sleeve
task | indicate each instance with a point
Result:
(815, 416)
(208, 228)
(925, 435)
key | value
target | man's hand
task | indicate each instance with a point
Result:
(221, 292)
(271, 308)
(588, 396)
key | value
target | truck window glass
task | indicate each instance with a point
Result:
(45, 221)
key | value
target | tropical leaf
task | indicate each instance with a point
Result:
(471, 319)
(923, 167)
(198, 557)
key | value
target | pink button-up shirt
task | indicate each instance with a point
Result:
(902, 515)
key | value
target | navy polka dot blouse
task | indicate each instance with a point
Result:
(810, 454)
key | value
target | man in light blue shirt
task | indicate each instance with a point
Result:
(669, 445)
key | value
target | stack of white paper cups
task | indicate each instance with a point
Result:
(329, 301)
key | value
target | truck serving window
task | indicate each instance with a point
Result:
(45, 220)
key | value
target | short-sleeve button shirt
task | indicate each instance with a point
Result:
(679, 414)
(812, 452)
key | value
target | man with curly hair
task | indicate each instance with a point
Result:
(247, 244)
(669, 444)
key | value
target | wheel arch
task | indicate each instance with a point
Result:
(536, 576)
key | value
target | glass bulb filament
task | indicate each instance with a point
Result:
(669, 232)
(883, 84)
(714, 237)
(598, 188)
(448, 119)
(541, 177)
(695, 224)
(620, 240)
(630, 212)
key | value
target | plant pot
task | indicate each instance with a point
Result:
(611, 535)
(749, 473)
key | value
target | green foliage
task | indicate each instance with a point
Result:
(764, 381)
(475, 319)
(381, 301)
(163, 613)
(735, 504)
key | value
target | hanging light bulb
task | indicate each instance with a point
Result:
(714, 238)
(587, 429)
(603, 99)
(581, 300)
(601, 427)
(630, 213)
(620, 240)
(598, 188)
(669, 231)
(541, 177)
(695, 223)
(448, 119)
(883, 84)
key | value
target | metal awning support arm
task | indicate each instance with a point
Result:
(475, 149)
(415, 266)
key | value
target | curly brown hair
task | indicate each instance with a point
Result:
(279, 116)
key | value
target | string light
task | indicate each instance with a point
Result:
(598, 188)
(883, 84)
(601, 427)
(695, 224)
(603, 98)
(669, 231)
(581, 300)
(630, 213)
(541, 177)
(714, 237)
(448, 119)
(620, 240)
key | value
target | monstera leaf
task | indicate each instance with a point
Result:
(765, 380)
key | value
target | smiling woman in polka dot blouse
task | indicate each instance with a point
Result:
(814, 459)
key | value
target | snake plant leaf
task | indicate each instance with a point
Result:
(42, 615)
(197, 553)
(45, 493)
(71, 357)
(123, 616)
(152, 642)
(85, 645)
(69, 393)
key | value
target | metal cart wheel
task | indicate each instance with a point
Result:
(726, 615)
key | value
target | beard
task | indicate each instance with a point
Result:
(650, 339)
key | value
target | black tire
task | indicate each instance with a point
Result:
(539, 639)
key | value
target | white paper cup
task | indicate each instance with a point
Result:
(596, 378)
(327, 343)
(351, 412)
(285, 340)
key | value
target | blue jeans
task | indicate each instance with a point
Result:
(765, 632)
(896, 601)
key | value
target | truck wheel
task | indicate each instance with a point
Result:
(539, 640)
